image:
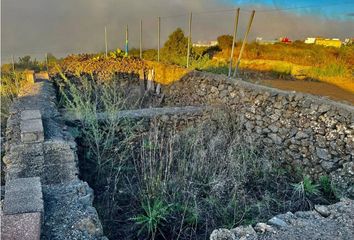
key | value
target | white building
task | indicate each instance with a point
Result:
(205, 44)
(310, 40)
(262, 41)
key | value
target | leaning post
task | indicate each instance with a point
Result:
(189, 39)
(244, 43)
(234, 39)
(158, 38)
(141, 39)
(105, 41)
(126, 42)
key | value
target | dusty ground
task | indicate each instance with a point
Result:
(333, 222)
(315, 88)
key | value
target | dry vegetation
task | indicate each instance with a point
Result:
(9, 88)
(163, 182)
(299, 61)
(302, 61)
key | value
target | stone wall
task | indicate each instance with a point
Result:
(119, 68)
(311, 132)
(38, 147)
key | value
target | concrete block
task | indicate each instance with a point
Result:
(30, 114)
(23, 195)
(25, 226)
(32, 131)
(30, 77)
(62, 173)
(22, 184)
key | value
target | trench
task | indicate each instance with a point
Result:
(180, 176)
(128, 198)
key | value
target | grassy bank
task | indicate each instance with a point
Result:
(335, 74)
(298, 61)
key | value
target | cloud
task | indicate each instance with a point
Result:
(68, 26)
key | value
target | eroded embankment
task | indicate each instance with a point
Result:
(311, 132)
(38, 145)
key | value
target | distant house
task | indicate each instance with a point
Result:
(261, 41)
(205, 44)
(348, 41)
(334, 42)
(285, 40)
(310, 40)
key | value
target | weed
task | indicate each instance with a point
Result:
(154, 215)
(306, 187)
(304, 191)
(328, 188)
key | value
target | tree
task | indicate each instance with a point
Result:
(225, 41)
(25, 62)
(51, 58)
(175, 48)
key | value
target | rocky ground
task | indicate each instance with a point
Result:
(323, 223)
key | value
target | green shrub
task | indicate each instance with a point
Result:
(306, 187)
(154, 215)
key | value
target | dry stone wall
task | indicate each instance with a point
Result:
(311, 132)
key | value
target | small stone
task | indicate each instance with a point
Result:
(322, 210)
(244, 231)
(286, 217)
(89, 224)
(275, 138)
(233, 94)
(301, 135)
(221, 87)
(214, 90)
(223, 93)
(273, 128)
(164, 118)
(314, 107)
(222, 234)
(322, 153)
(278, 105)
(277, 222)
(262, 228)
(327, 165)
(324, 108)
(249, 126)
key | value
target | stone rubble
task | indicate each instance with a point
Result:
(308, 131)
(325, 222)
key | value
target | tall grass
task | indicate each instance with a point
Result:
(156, 180)
(11, 83)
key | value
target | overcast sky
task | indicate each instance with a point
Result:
(33, 27)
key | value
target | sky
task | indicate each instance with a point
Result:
(34, 27)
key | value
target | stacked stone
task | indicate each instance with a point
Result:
(311, 132)
(22, 211)
(38, 148)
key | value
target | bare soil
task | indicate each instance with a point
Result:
(312, 87)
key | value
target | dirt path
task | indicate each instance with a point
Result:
(315, 88)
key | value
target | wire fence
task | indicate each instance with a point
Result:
(206, 26)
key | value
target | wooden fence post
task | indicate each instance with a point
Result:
(244, 43)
